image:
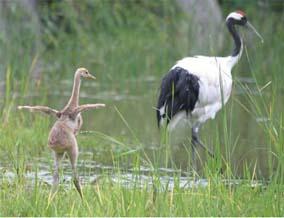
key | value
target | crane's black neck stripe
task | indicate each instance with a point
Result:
(237, 39)
(179, 92)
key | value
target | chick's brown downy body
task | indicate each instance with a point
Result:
(62, 136)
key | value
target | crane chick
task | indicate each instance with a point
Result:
(62, 136)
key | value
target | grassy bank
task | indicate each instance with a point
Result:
(106, 199)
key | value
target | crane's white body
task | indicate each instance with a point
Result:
(215, 81)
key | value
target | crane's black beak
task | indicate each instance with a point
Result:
(248, 24)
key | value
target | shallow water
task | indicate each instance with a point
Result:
(130, 118)
(92, 172)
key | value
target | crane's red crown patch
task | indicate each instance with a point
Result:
(241, 13)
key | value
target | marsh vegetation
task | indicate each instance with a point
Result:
(126, 167)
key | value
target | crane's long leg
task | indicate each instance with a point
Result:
(193, 153)
(57, 159)
(196, 140)
(73, 155)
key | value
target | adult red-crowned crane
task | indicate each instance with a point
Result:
(195, 88)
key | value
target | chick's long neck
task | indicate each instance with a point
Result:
(74, 99)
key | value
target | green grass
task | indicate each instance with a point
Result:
(22, 197)
(123, 47)
(107, 199)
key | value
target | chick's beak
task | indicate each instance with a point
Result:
(90, 76)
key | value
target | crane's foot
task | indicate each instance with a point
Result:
(55, 182)
(78, 186)
(196, 141)
(211, 154)
(52, 193)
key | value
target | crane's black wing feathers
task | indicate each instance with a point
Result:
(179, 91)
